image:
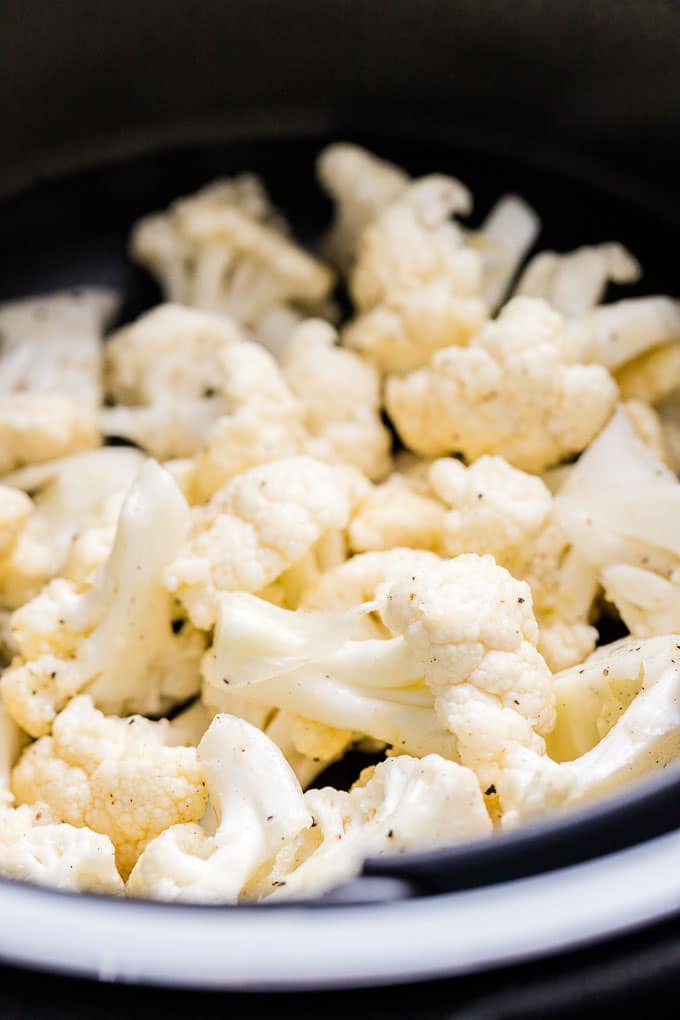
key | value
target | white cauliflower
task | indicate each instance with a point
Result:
(116, 637)
(630, 698)
(416, 281)
(261, 523)
(117, 776)
(10, 744)
(396, 513)
(15, 508)
(258, 805)
(632, 541)
(612, 335)
(512, 392)
(34, 848)
(652, 376)
(171, 372)
(361, 186)
(50, 368)
(504, 238)
(224, 252)
(68, 496)
(575, 283)
(340, 395)
(403, 804)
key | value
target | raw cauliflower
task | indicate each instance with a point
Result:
(257, 804)
(50, 374)
(69, 495)
(35, 848)
(340, 395)
(575, 283)
(361, 186)
(416, 281)
(222, 250)
(403, 804)
(263, 521)
(116, 776)
(15, 508)
(116, 637)
(512, 392)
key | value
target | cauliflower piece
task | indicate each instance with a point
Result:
(50, 374)
(262, 522)
(652, 376)
(340, 395)
(216, 251)
(15, 508)
(592, 696)
(69, 495)
(34, 849)
(414, 241)
(8, 648)
(471, 626)
(416, 281)
(116, 776)
(10, 745)
(646, 736)
(258, 805)
(361, 186)
(614, 334)
(403, 804)
(575, 283)
(505, 237)
(395, 514)
(512, 392)
(648, 427)
(171, 369)
(308, 663)
(116, 637)
(600, 510)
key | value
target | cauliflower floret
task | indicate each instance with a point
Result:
(575, 283)
(15, 508)
(215, 251)
(262, 522)
(416, 280)
(471, 625)
(632, 542)
(648, 427)
(116, 776)
(414, 241)
(641, 714)
(258, 805)
(512, 392)
(505, 237)
(10, 744)
(403, 804)
(612, 335)
(68, 496)
(33, 848)
(50, 374)
(396, 514)
(115, 638)
(340, 395)
(172, 370)
(361, 185)
(651, 376)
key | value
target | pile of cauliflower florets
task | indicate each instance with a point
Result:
(194, 625)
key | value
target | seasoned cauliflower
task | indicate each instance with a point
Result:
(170, 374)
(633, 543)
(612, 335)
(50, 385)
(35, 848)
(258, 805)
(69, 496)
(222, 250)
(116, 637)
(575, 283)
(505, 237)
(361, 185)
(512, 392)
(262, 522)
(340, 395)
(117, 776)
(403, 804)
